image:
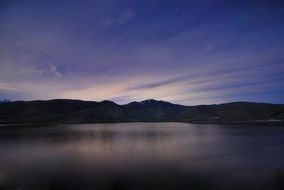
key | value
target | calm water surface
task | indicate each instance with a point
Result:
(142, 156)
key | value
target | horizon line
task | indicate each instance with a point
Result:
(150, 99)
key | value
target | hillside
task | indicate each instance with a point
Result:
(76, 111)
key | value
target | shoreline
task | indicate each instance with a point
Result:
(199, 122)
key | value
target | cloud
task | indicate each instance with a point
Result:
(120, 20)
(53, 70)
(7, 87)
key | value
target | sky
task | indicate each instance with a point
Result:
(184, 51)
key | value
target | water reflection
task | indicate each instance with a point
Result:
(141, 156)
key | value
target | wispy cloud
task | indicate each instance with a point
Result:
(7, 87)
(124, 18)
(53, 70)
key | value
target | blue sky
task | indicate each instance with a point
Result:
(184, 51)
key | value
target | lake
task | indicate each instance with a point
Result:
(141, 156)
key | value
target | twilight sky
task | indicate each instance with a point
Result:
(184, 51)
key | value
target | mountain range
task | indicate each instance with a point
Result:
(64, 111)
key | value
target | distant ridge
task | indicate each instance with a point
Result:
(65, 111)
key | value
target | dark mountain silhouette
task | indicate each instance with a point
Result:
(77, 111)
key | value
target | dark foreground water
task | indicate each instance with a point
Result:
(142, 156)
